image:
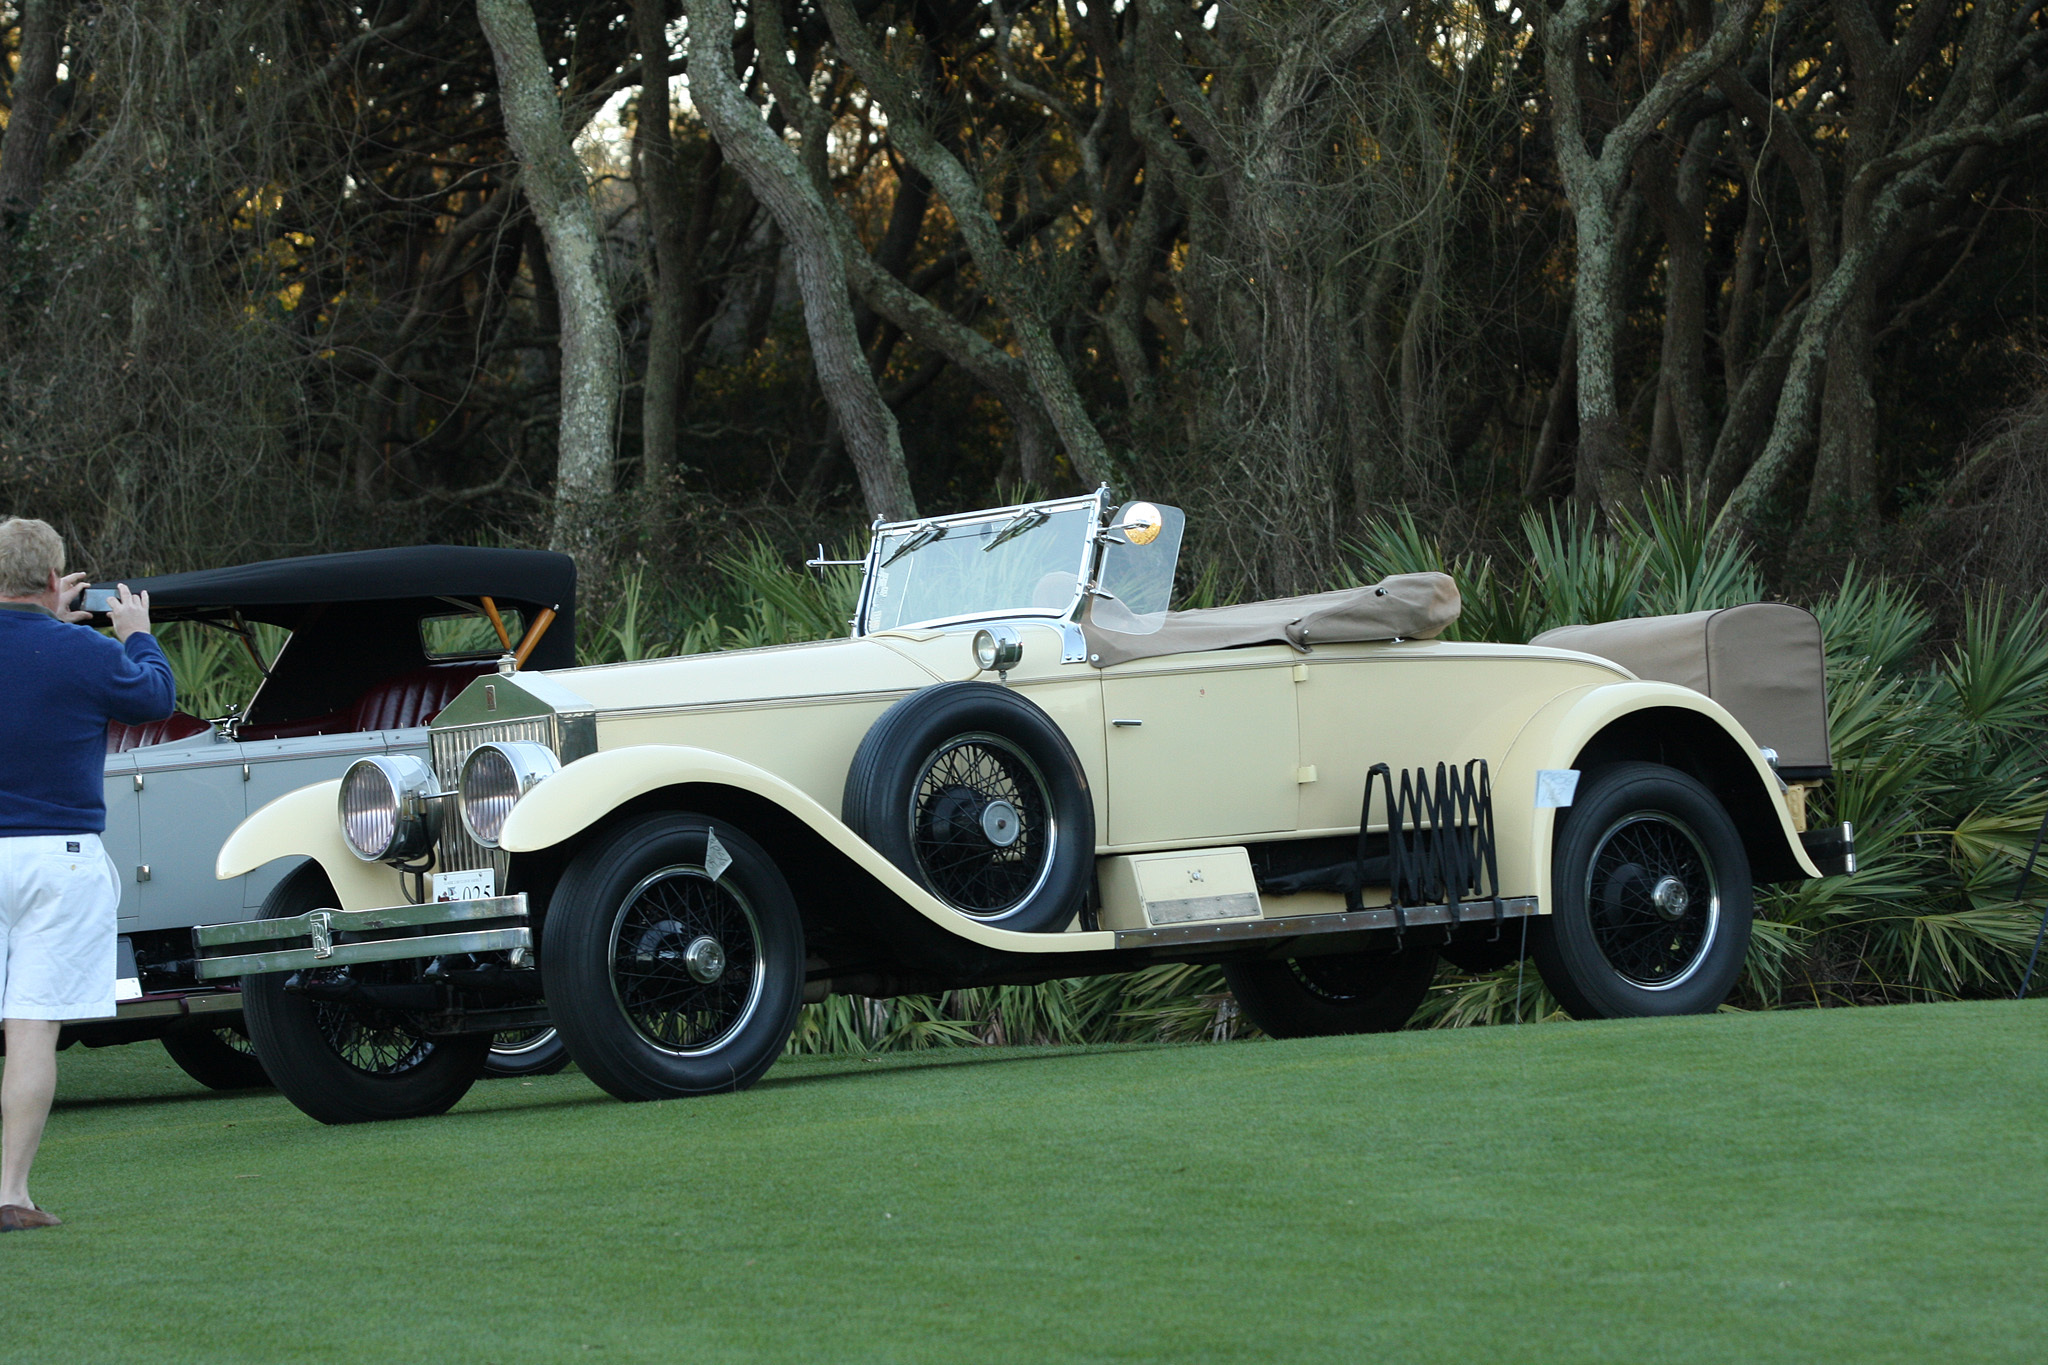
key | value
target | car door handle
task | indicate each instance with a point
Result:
(1127, 724)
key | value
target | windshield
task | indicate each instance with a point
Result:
(1019, 560)
(1138, 561)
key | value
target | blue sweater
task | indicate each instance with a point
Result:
(59, 686)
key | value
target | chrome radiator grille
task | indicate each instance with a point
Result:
(459, 852)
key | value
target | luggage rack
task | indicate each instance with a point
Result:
(1439, 844)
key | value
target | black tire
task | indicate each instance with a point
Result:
(219, 1058)
(667, 973)
(1315, 997)
(526, 1052)
(975, 793)
(1651, 898)
(345, 1063)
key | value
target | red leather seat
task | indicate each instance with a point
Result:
(397, 703)
(415, 698)
(333, 723)
(121, 738)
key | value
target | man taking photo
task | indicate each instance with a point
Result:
(60, 683)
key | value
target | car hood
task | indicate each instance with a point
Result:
(784, 672)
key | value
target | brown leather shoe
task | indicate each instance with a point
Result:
(20, 1218)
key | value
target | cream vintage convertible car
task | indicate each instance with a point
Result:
(1022, 766)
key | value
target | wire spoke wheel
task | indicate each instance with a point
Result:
(1340, 977)
(537, 1050)
(974, 791)
(1333, 993)
(981, 825)
(515, 1042)
(673, 957)
(375, 1042)
(685, 960)
(351, 1062)
(1653, 899)
(220, 1057)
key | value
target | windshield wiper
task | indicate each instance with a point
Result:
(916, 540)
(1028, 519)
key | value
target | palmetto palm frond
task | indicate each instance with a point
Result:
(1682, 568)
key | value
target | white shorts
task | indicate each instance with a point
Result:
(59, 894)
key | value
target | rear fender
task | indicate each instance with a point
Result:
(590, 789)
(1657, 723)
(303, 824)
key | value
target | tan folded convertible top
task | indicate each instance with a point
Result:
(1411, 606)
(1762, 661)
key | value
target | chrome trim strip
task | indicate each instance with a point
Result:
(146, 1009)
(1237, 905)
(1467, 912)
(359, 921)
(168, 1006)
(752, 704)
(379, 950)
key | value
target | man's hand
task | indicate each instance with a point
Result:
(68, 588)
(129, 612)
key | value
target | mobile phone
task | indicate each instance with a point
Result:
(97, 600)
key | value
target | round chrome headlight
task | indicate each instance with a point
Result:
(494, 777)
(998, 647)
(384, 808)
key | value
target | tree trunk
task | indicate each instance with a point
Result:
(24, 146)
(670, 280)
(1843, 492)
(1605, 478)
(560, 194)
(779, 181)
(968, 201)
(1595, 182)
(1558, 409)
(1679, 201)
(1419, 407)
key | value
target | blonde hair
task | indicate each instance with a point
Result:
(30, 551)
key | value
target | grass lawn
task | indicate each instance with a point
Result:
(1855, 1185)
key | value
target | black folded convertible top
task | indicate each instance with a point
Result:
(540, 577)
(376, 592)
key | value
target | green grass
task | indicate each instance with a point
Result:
(1852, 1185)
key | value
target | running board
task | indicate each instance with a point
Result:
(1349, 921)
(335, 938)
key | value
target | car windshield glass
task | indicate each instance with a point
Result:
(1137, 568)
(217, 667)
(1002, 563)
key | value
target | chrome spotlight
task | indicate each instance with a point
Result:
(997, 647)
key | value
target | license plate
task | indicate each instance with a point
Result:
(478, 885)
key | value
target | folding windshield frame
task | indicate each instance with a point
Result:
(1101, 501)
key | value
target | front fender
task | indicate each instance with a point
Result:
(589, 789)
(1559, 733)
(302, 824)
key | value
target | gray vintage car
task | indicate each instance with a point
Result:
(376, 642)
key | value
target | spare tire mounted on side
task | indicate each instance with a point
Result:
(975, 793)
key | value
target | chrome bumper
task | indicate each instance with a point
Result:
(334, 938)
(1833, 850)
